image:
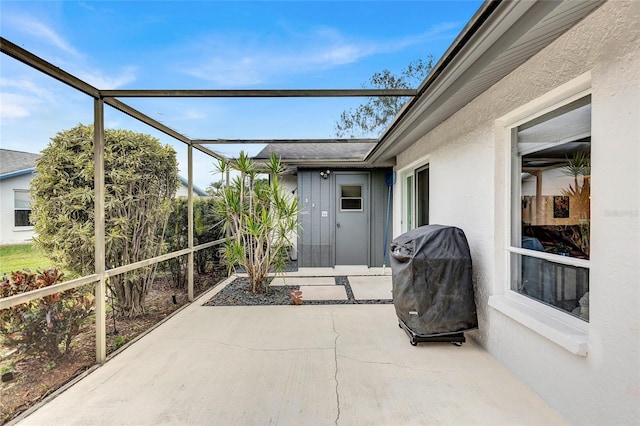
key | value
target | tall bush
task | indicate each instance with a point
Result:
(140, 180)
(260, 217)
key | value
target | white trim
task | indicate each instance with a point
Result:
(561, 328)
(402, 175)
(563, 260)
(421, 162)
(571, 91)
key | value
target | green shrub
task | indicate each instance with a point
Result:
(141, 177)
(207, 227)
(47, 324)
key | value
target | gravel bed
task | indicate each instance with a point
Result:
(238, 293)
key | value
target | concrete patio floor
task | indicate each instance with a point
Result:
(294, 365)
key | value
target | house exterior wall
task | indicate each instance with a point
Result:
(316, 236)
(468, 158)
(290, 186)
(183, 192)
(9, 234)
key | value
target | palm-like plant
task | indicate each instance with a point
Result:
(579, 166)
(259, 217)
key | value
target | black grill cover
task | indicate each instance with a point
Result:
(432, 280)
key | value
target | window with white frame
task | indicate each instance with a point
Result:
(415, 206)
(550, 205)
(350, 198)
(21, 208)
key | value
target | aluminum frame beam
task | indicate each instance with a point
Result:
(47, 68)
(278, 141)
(132, 112)
(259, 93)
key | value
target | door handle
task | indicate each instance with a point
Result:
(337, 225)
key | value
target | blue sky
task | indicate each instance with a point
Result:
(210, 45)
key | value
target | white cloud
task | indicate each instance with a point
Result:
(106, 81)
(19, 98)
(192, 114)
(234, 65)
(27, 86)
(36, 28)
(13, 106)
(233, 60)
(75, 61)
(437, 32)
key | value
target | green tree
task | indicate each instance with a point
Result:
(141, 177)
(207, 227)
(260, 217)
(214, 188)
(373, 116)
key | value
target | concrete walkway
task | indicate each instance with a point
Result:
(294, 365)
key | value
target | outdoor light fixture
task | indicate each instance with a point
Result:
(325, 174)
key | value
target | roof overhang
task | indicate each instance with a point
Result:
(17, 173)
(500, 37)
(320, 152)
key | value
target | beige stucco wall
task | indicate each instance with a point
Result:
(466, 154)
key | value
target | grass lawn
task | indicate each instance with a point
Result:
(20, 256)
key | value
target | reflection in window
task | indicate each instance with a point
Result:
(552, 159)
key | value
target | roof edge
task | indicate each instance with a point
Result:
(17, 173)
(474, 26)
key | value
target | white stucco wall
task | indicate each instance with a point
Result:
(9, 234)
(467, 162)
(183, 191)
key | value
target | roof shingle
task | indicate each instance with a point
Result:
(13, 161)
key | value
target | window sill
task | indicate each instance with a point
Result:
(22, 228)
(568, 334)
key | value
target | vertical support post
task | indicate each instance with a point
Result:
(190, 222)
(539, 211)
(99, 218)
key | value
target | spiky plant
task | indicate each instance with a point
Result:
(260, 219)
(579, 167)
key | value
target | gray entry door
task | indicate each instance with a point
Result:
(352, 219)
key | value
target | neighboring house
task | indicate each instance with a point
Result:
(183, 189)
(486, 145)
(344, 206)
(16, 172)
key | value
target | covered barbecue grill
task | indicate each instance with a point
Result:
(432, 284)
